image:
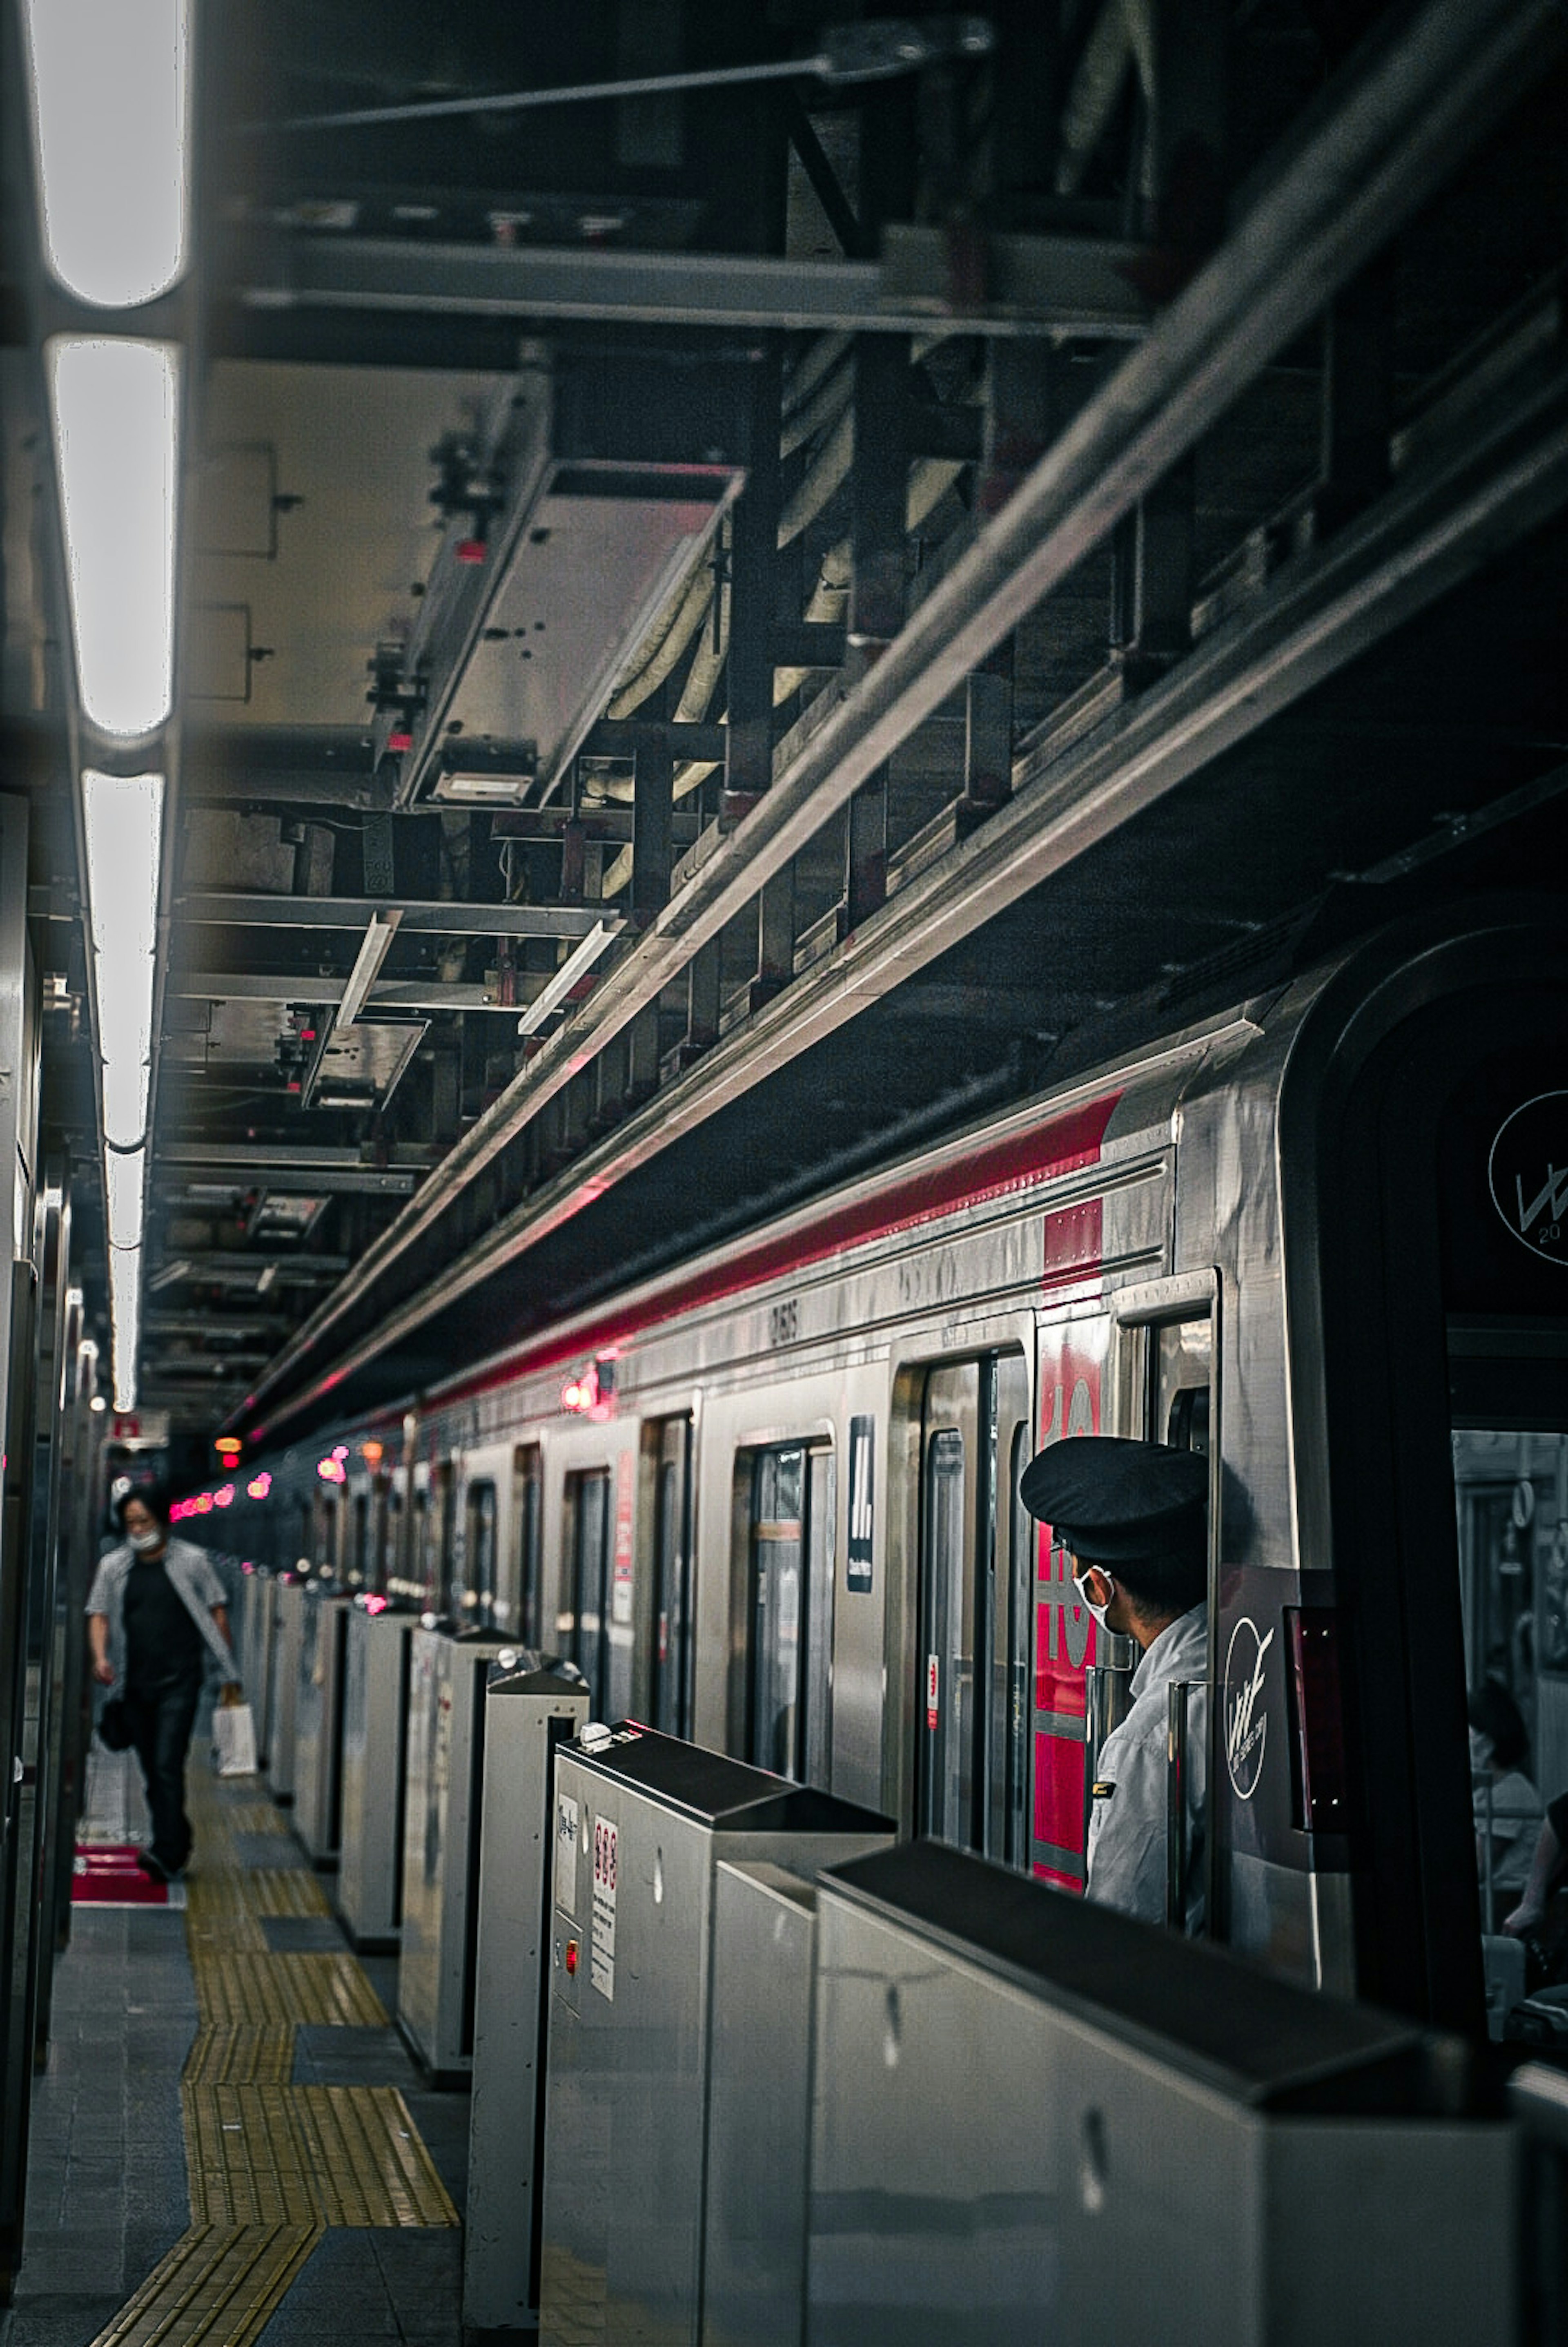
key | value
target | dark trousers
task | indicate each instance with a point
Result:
(161, 1719)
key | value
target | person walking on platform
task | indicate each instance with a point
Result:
(1133, 1517)
(157, 1622)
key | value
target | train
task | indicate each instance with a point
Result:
(767, 1501)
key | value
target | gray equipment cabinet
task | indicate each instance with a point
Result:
(369, 1888)
(759, 2108)
(436, 1966)
(530, 1709)
(256, 1636)
(1036, 2119)
(641, 1824)
(288, 1634)
(318, 1724)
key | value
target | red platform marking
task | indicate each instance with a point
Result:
(106, 1874)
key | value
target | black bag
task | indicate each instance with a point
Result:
(114, 1726)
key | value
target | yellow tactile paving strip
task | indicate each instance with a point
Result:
(272, 2164)
(233, 1989)
(218, 2286)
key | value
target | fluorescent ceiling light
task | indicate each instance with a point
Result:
(111, 128)
(125, 1308)
(115, 451)
(125, 1188)
(122, 817)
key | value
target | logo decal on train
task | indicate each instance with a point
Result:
(1245, 1721)
(1528, 1173)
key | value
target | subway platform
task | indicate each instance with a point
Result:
(230, 2145)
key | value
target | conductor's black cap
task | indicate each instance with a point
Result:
(1113, 1500)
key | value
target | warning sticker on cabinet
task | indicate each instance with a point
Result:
(566, 1853)
(602, 1970)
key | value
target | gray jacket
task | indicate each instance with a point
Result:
(190, 1571)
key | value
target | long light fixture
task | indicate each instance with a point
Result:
(117, 430)
(110, 83)
(122, 820)
(124, 1309)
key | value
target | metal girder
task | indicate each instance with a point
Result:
(1381, 141)
(426, 994)
(241, 908)
(275, 1158)
(1446, 518)
(210, 1367)
(226, 1263)
(1068, 285)
(368, 1182)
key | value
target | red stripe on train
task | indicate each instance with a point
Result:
(992, 1171)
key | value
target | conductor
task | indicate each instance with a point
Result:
(1133, 1517)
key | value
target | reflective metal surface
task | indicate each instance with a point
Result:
(528, 1713)
(435, 1978)
(318, 1726)
(1023, 2130)
(375, 1721)
(758, 2107)
(284, 1698)
(640, 1827)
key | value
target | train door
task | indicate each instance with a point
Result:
(790, 1492)
(1436, 1141)
(667, 1445)
(479, 1556)
(972, 1780)
(527, 1489)
(585, 1620)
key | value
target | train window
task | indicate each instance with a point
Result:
(669, 1444)
(526, 1492)
(417, 1584)
(1511, 1491)
(441, 1531)
(386, 1508)
(585, 1622)
(358, 1561)
(478, 1593)
(325, 1551)
(975, 1644)
(793, 1509)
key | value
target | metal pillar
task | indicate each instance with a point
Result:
(18, 1123)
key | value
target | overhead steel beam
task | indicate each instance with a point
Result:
(241, 908)
(226, 1265)
(273, 1158)
(367, 1180)
(1411, 107)
(1426, 536)
(1034, 285)
(426, 994)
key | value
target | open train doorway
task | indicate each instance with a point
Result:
(976, 1608)
(787, 1503)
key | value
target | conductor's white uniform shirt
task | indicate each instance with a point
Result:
(1127, 1818)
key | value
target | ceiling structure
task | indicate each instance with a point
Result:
(725, 629)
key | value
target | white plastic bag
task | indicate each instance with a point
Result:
(233, 1739)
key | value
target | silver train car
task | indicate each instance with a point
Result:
(767, 1500)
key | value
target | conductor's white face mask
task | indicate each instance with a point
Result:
(1087, 1603)
(144, 1543)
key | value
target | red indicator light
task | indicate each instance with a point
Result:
(571, 1955)
(469, 550)
(307, 1034)
(399, 738)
